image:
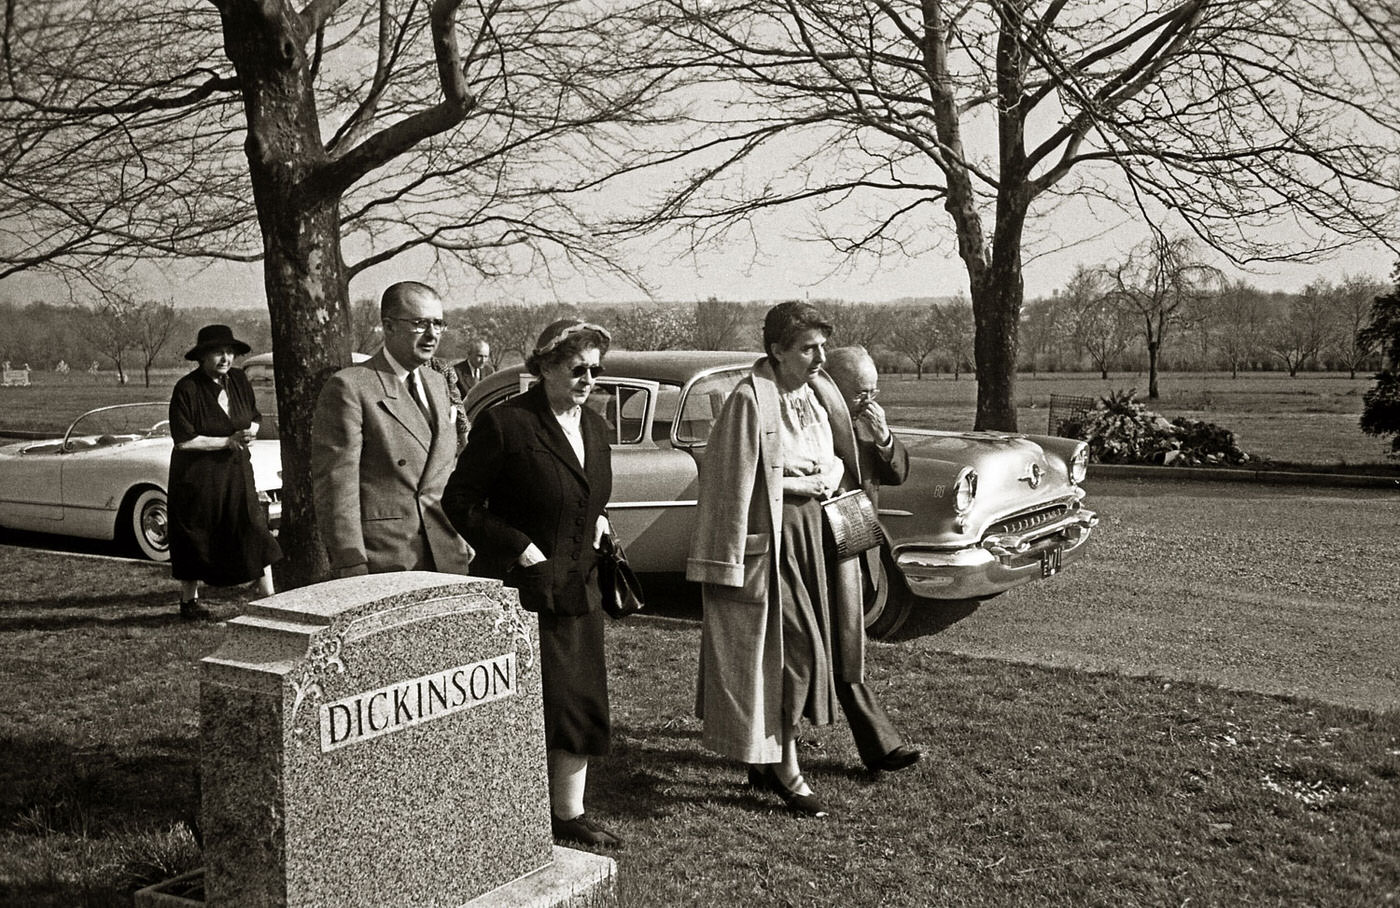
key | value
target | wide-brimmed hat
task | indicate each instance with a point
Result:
(216, 336)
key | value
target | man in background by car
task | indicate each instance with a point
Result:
(383, 446)
(475, 367)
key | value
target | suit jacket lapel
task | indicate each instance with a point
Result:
(552, 434)
(843, 434)
(397, 403)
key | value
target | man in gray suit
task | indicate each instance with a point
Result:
(383, 447)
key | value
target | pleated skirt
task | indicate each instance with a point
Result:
(809, 689)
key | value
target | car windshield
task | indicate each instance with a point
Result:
(122, 423)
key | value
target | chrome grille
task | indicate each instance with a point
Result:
(1026, 522)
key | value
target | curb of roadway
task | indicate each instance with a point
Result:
(1220, 474)
(1144, 471)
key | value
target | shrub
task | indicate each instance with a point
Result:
(1380, 414)
(1121, 430)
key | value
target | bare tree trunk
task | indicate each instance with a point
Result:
(309, 351)
(304, 274)
(996, 305)
(1153, 349)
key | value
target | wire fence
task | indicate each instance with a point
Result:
(1067, 407)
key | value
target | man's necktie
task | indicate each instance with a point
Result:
(416, 393)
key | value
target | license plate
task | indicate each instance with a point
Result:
(1050, 561)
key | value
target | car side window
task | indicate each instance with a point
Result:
(623, 408)
(702, 404)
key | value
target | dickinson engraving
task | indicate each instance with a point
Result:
(369, 715)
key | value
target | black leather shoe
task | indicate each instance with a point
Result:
(765, 778)
(901, 757)
(583, 831)
(191, 609)
(758, 778)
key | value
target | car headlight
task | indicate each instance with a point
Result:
(1079, 464)
(965, 491)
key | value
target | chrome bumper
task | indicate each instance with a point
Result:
(998, 562)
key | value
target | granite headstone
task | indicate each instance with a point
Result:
(379, 741)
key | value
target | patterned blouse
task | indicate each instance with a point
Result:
(804, 432)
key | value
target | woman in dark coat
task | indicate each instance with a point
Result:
(528, 493)
(218, 529)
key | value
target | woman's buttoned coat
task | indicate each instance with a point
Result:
(518, 481)
(735, 552)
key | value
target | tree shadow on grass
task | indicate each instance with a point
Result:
(91, 825)
(55, 786)
(147, 609)
(934, 616)
(66, 611)
(654, 770)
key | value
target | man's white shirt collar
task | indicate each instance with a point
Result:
(399, 370)
(422, 396)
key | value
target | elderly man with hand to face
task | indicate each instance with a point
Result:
(383, 446)
(883, 459)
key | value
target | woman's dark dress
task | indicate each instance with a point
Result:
(218, 529)
(518, 481)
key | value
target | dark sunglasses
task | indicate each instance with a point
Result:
(583, 369)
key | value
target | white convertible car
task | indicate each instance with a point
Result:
(106, 479)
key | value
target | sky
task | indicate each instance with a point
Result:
(783, 269)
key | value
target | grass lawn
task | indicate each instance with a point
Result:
(1041, 784)
(1311, 419)
(1079, 749)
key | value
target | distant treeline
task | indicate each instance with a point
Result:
(1237, 328)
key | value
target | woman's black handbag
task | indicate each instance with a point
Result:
(622, 591)
(853, 522)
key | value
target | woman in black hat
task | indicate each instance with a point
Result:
(218, 529)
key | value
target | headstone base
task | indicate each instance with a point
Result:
(575, 879)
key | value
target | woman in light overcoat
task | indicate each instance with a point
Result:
(782, 626)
